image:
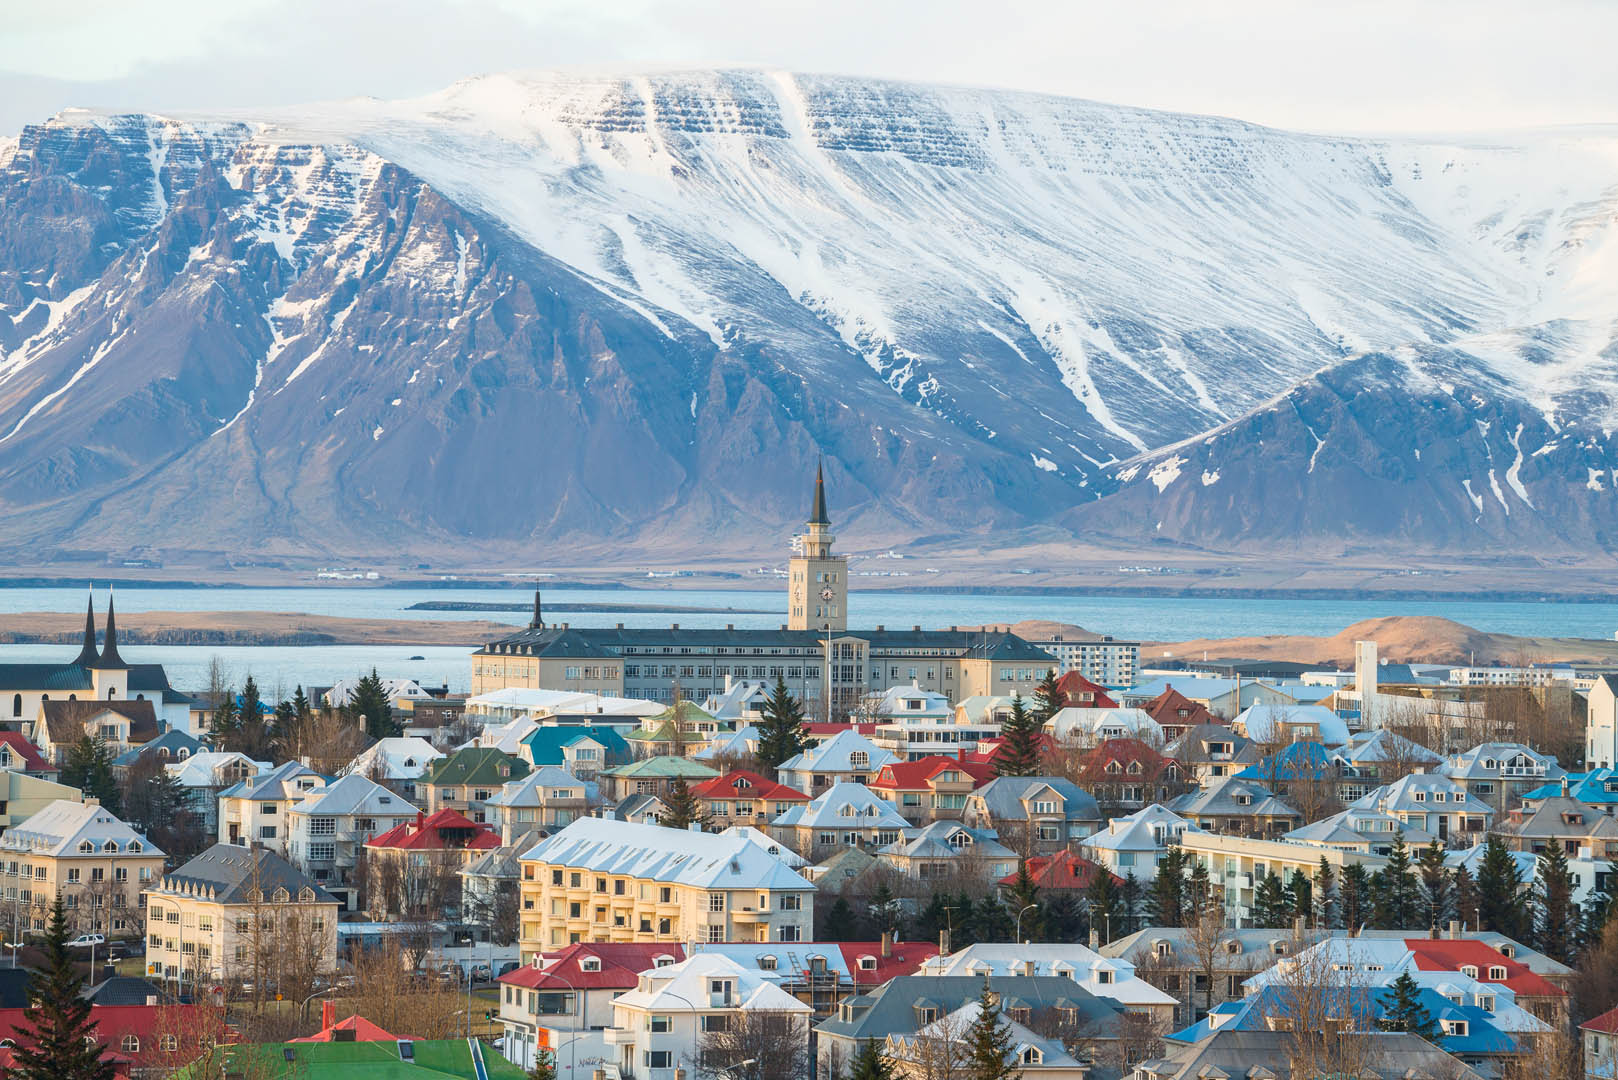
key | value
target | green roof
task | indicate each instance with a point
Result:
(476, 765)
(365, 1061)
(663, 765)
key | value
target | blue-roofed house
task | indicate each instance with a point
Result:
(170, 746)
(583, 751)
(1597, 789)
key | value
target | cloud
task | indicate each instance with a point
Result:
(1365, 65)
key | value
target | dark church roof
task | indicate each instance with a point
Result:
(75, 675)
(817, 513)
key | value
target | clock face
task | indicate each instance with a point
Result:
(826, 594)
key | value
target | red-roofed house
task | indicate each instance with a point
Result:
(873, 963)
(571, 991)
(1125, 775)
(1079, 692)
(816, 732)
(134, 1038)
(1062, 872)
(363, 1029)
(443, 830)
(933, 788)
(1478, 960)
(746, 798)
(1176, 713)
(1600, 1038)
(430, 851)
(19, 755)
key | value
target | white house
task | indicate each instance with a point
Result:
(1092, 726)
(329, 826)
(1601, 724)
(254, 811)
(396, 763)
(659, 1026)
(1135, 844)
(1281, 723)
(1108, 977)
(913, 723)
(847, 755)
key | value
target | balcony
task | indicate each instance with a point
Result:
(750, 914)
(618, 1036)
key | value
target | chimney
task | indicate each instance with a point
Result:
(1095, 938)
(943, 942)
(1454, 929)
(917, 627)
(1298, 926)
(328, 1014)
(695, 826)
(730, 626)
(674, 626)
(887, 944)
(880, 628)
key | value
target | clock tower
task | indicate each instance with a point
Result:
(818, 590)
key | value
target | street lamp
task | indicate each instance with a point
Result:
(1020, 914)
(14, 946)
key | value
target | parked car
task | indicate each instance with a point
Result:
(84, 941)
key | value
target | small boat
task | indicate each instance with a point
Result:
(418, 657)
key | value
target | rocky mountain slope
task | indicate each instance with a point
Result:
(628, 312)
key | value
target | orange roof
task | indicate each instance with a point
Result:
(438, 831)
(1064, 870)
(1165, 708)
(742, 784)
(904, 958)
(618, 966)
(913, 775)
(1074, 686)
(1125, 752)
(363, 1029)
(1452, 954)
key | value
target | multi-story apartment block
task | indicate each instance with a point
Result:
(821, 660)
(80, 851)
(546, 800)
(255, 811)
(1103, 660)
(241, 914)
(605, 880)
(1238, 864)
(915, 723)
(467, 779)
(331, 824)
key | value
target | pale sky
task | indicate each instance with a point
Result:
(1322, 65)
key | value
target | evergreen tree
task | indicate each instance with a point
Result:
(1593, 917)
(1167, 902)
(1558, 915)
(1396, 893)
(991, 923)
(1404, 1011)
(285, 716)
(1325, 897)
(780, 728)
(1198, 890)
(934, 918)
(1269, 902)
(1500, 902)
(301, 708)
(1063, 918)
(1019, 750)
(1047, 698)
(227, 722)
(1300, 898)
(58, 1039)
(682, 808)
(990, 1052)
(1132, 901)
(89, 768)
(1106, 906)
(1025, 903)
(885, 913)
(370, 700)
(252, 706)
(840, 922)
(1354, 898)
(1437, 885)
(1465, 898)
(870, 1063)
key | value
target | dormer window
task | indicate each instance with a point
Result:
(766, 963)
(86, 848)
(135, 847)
(110, 846)
(1032, 1056)
(1497, 973)
(1469, 970)
(590, 963)
(867, 963)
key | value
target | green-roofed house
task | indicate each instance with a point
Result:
(402, 1059)
(467, 779)
(652, 776)
(583, 751)
(656, 738)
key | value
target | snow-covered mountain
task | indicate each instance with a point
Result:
(631, 310)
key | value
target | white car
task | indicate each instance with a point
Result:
(84, 941)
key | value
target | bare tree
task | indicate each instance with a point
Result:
(754, 1044)
(389, 991)
(1205, 933)
(940, 1051)
(1327, 1011)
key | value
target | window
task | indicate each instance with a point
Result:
(659, 1025)
(322, 852)
(659, 1059)
(322, 826)
(716, 1022)
(791, 902)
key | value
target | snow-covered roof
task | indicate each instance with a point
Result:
(530, 790)
(682, 987)
(343, 689)
(353, 794)
(1096, 724)
(1072, 961)
(62, 827)
(771, 846)
(403, 758)
(1423, 793)
(706, 860)
(1494, 760)
(1148, 829)
(1266, 723)
(202, 769)
(836, 755)
(844, 805)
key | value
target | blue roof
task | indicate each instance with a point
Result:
(1299, 761)
(545, 744)
(174, 740)
(1251, 1013)
(1597, 787)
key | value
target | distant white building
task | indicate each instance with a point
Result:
(1103, 660)
(913, 723)
(1135, 844)
(396, 689)
(1601, 724)
(1092, 726)
(396, 763)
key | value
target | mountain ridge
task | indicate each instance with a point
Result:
(587, 310)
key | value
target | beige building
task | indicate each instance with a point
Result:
(239, 914)
(604, 880)
(817, 580)
(1237, 864)
(22, 796)
(97, 863)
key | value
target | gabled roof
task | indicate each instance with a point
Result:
(546, 743)
(1489, 760)
(530, 790)
(1451, 954)
(1193, 745)
(768, 843)
(1265, 723)
(891, 1007)
(665, 766)
(443, 830)
(172, 740)
(1559, 816)
(1125, 752)
(62, 826)
(1598, 787)
(1220, 799)
(844, 805)
(948, 840)
(675, 855)
(1062, 871)
(65, 720)
(353, 794)
(680, 987)
(1607, 1022)
(1382, 745)
(1139, 831)
(1074, 686)
(1004, 796)
(1087, 723)
(914, 775)
(836, 755)
(25, 756)
(596, 965)
(476, 765)
(200, 770)
(746, 785)
(1166, 709)
(363, 1029)
(278, 783)
(228, 873)
(402, 758)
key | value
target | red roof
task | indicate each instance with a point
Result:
(1064, 870)
(1452, 954)
(913, 775)
(32, 760)
(188, 1023)
(1607, 1022)
(439, 831)
(1165, 709)
(1125, 752)
(1074, 687)
(989, 749)
(621, 963)
(827, 729)
(363, 1029)
(745, 785)
(904, 958)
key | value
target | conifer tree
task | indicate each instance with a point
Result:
(227, 722)
(682, 808)
(1437, 885)
(1593, 916)
(1558, 916)
(870, 1063)
(991, 922)
(1354, 897)
(1325, 897)
(780, 727)
(1397, 893)
(885, 913)
(1198, 890)
(933, 918)
(252, 707)
(1019, 751)
(370, 700)
(1465, 898)
(990, 1052)
(1132, 902)
(1026, 905)
(89, 768)
(1300, 898)
(1047, 697)
(1269, 902)
(1106, 906)
(1167, 902)
(59, 1040)
(1063, 917)
(1500, 902)
(301, 709)
(1404, 1011)
(840, 922)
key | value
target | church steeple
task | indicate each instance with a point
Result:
(538, 621)
(87, 653)
(109, 645)
(817, 512)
